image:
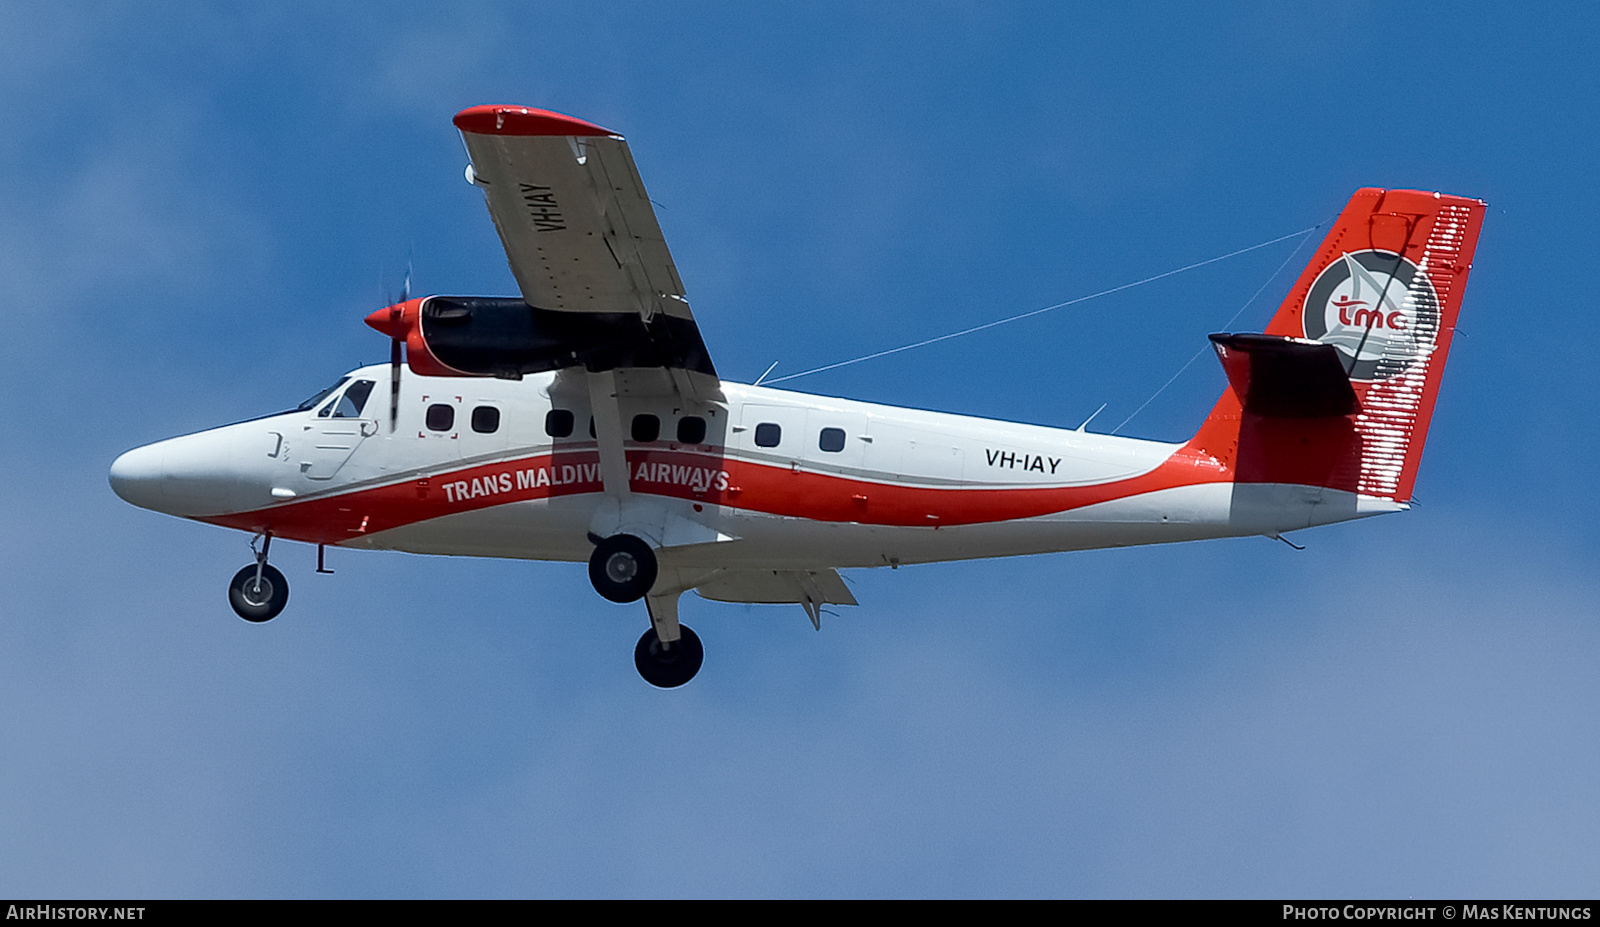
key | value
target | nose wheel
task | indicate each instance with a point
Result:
(258, 592)
(667, 666)
(258, 599)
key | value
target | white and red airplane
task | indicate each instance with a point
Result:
(584, 421)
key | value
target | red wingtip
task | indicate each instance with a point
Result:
(500, 119)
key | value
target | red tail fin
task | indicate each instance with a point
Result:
(1384, 290)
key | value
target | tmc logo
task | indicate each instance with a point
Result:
(1378, 309)
(1356, 312)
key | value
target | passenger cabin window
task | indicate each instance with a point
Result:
(558, 423)
(485, 420)
(646, 427)
(352, 402)
(691, 430)
(441, 416)
(768, 434)
(831, 440)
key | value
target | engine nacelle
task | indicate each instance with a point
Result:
(489, 336)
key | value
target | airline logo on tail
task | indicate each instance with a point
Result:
(1378, 309)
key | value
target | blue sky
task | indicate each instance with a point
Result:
(197, 208)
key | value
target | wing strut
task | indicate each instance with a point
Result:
(607, 414)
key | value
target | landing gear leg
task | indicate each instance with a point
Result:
(259, 592)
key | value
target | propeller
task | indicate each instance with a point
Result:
(394, 349)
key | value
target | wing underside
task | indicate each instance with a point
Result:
(583, 243)
(572, 212)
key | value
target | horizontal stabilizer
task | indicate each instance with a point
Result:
(1283, 377)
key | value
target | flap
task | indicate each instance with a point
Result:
(774, 587)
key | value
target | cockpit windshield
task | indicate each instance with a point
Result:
(311, 403)
(351, 403)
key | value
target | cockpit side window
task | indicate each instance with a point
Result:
(354, 400)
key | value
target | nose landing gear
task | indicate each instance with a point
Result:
(258, 592)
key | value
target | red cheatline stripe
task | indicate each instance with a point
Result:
(699, 477)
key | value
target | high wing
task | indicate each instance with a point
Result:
(583, 241)
(572, 213)
(605, 306)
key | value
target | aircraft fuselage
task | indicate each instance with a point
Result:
(771, 479)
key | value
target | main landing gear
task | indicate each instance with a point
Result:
(623, 569)
(259, 592)
(667, 666)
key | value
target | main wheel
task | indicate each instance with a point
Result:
(258, 602)
(667, 667)
(622, 568)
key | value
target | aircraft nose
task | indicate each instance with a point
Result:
(136, 476)
(189, 476)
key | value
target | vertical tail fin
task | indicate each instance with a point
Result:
(1383, 290)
